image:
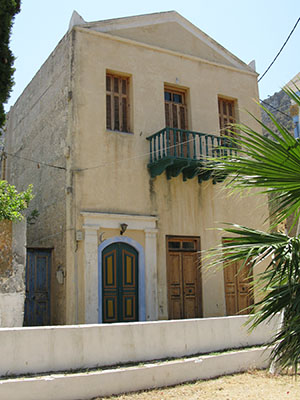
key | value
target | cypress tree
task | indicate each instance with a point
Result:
(8, 9)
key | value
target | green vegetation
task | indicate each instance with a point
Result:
(8, 9)
(13, 202)
(271, 164)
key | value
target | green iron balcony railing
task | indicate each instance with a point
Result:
(181, 151)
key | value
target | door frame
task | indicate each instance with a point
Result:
(141, 275)
(199, 277)
(33, 250)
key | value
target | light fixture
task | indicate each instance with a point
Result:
(123, 228)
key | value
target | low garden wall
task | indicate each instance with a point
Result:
(63, 348)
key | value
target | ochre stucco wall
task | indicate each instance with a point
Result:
(114, 176)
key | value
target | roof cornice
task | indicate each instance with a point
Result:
(132, 42)
(138, 21)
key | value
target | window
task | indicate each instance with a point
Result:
(175, 109)
(226, 116)
(117, 103)
(182, 244)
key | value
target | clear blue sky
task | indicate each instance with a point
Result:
(250, 29)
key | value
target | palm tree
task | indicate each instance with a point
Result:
(271, 164)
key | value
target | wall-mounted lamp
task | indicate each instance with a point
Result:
(123, 228)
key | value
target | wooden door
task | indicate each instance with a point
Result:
(38, 274)
(184, 283)
(238, 290)
(176, 117)
(119, 283)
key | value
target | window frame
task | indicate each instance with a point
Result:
(117, 102)
(181, 107)
(227, 118)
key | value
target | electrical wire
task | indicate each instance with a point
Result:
(282, 47)
(105, 163)
(275, 108)
(145, 154)
(121, 160)
(142, 155)
(53, 235)
(34, 161)
(137, 156)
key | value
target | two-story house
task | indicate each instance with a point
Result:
(113, 132)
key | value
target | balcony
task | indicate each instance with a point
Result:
(181, 151)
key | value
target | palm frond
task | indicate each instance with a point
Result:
(270, 164)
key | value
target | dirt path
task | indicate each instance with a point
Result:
(256, 385)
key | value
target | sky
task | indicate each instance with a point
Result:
(250, 29)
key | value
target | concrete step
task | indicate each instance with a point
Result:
(105, 382)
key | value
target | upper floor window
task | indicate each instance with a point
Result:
(175, 108)
(227, 115)
(117, 103)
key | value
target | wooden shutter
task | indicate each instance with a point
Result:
(117, 103)
(238, 289)
(175, 108)
(226, 115)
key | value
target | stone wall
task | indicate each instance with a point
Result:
(12, 272)
(35, 144)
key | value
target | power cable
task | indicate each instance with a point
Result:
(275, 108)
(34, 161)
(53, 235)
(110, 162)
(282, 47)
(121, 160)
(137, 156)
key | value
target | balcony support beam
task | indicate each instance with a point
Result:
(181, 151)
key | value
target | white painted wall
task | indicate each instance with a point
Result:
(37, 349)
(121, 380)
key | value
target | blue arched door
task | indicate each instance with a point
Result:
(120, 283)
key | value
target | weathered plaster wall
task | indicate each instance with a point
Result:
(37, 129)
(112, 167)
(12, 272)
(5, 248)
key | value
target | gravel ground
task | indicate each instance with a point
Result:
(253, 385)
